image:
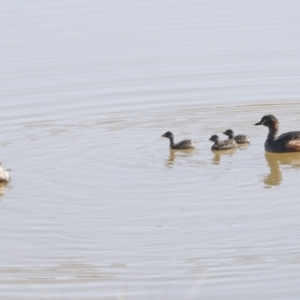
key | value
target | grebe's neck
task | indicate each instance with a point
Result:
(231, 136)
(171, 138)
(273, 130)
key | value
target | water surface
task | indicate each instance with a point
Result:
(98, 206)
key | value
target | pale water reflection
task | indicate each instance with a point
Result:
(3, 187)
(277, 161)
(178, 156)
(219, 154)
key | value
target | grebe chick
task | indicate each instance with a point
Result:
(4, 175)
(240, 138)
(222, 145)
(287, 142)
(185, 144)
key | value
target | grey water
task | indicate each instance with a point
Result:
(98, 206)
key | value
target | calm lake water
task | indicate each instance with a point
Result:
(98, 206)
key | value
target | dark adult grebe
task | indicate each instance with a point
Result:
(287, 142)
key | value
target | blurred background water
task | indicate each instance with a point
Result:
(98, 206)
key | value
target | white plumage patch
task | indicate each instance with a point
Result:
(4, 175)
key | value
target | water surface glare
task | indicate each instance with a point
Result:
(98, 206)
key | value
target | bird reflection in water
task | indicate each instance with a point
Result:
(175, 154)
(219, 153)
(275, 160)
(3, 187)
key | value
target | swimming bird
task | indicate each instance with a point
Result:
(4, 175)
(287, 142)
(185, 144)
(222, 145)
(240, 138)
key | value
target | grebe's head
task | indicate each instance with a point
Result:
(214, 138)
(168, 134)
(228, 132)
(269, 121)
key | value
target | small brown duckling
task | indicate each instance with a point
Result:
(240, 138)
(185, 144)
(222, 145)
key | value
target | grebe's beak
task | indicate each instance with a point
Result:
(259, 123)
